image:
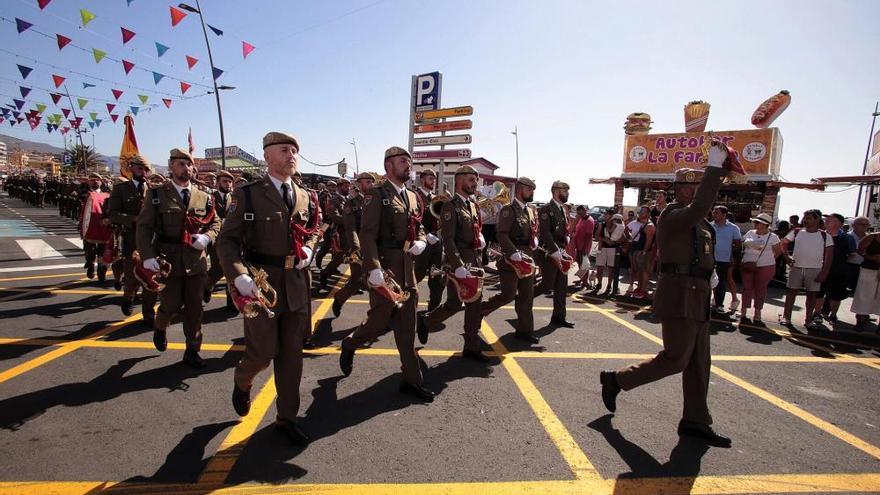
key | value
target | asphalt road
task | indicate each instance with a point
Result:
(87, 405)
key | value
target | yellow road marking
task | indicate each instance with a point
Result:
(221, 463)
(701, 485)
(540, 308)
(38, 277)
(64, 349)
(773, 399)
(576, 459)
(22, 293)
(52, 290)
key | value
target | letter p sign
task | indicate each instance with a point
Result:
(426, 91)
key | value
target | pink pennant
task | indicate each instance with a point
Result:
(113, 117)
(55, 97)
(110, 107)
(191, 61)
(127, 66)
(167, 102)
(246, 49)
(183, 87)
(127, 35)
(62, 40)
(43, 3)
(116, 93)
(66, 112)
(58, 80)
(177, 15)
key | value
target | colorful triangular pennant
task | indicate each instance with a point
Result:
(18, 103)
(91, 125)
(24, 91)
(161, 49)
(184, 86)
(25, 71)
(82, 102)
(157, 77)
(191, 61)
(110, 107)
(116, 93)
(62, 40)
(66, 112)
(218, 32)
(58, 80)
(41, 107)
(55, 97)
(143, 98)
(43, 3)
(88, 85)
(127, 35)
(127, 66)
(98, 122)
(93, 115)
(86, 16)
(99, 54)
(217, 73)
(22, 25)
(113, 117)
(167, 102)
(177, 15)
(134, 110)
(246, 49)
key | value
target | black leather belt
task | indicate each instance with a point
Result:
(687, 270)
(287, 262)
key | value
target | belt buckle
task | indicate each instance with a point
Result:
(289, 262)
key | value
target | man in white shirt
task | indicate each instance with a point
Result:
(810, 263)
(609, 234)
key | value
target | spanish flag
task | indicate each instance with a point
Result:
(129, 147)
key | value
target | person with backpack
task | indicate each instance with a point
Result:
(810, 263)
(834, 289)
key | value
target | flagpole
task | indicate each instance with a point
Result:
(82, 146)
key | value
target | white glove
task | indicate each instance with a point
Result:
(462, 272)
(717, 155)
(151, 264)
(482, 242)
(713, 281)
(200, 242)
(305, 262)
(557, 255)
(432, 239)
(516, 256)
(417, 248)
(567, 239)
(245, 285)
(376, 278)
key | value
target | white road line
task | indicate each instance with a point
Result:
(40, 268)
(76, 241)
(37, 249)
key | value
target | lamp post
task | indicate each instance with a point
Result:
(516, 136)
(357, 165)
(867, 154)
(198, 10)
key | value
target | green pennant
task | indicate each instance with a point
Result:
(93, 115)
(99, 55)
(143, 98)
(82, 102)
(40, 107)
(86, 16)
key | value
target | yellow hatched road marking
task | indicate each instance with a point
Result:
(576, 459)
(22, 293)
(39, 277)
(221, 463)
(773, 399)
(52, 290)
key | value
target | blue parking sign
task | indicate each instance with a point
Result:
(426, 92)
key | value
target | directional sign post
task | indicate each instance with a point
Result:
(445, 112)
(455, 125)
(461, 153)
(436, 141)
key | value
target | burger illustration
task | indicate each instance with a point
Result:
(637, 123)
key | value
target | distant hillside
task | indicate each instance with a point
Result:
(13, 143)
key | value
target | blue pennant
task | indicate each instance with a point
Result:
(161, 49)
(25, 71)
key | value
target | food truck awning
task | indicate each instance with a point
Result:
(848, 180)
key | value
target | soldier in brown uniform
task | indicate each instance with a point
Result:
(433, 255)
(462, 243)
(124, 205)
(324, 197)
(553, 238)
(91, 250)
(351, 226)
(178, 222)
(222, 196)
(516, 236)
(390, 238)
(271, 224)
(339, 244)
(681, 301)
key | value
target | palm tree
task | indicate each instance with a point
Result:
(84, 158)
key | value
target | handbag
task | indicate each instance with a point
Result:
(752, 266)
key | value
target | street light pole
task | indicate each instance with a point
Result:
(867, 154)
(516, 136)
(357, 165)
(198, 10)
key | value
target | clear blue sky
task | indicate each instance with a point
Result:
(567, 73)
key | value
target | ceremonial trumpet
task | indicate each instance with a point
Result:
(523, 268)
(266, 298)
(149, 279)
(470, 288)
(391, 290)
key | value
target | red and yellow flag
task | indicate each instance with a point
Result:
(129, 147)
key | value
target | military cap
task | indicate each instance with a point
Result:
(276, 137)
(428, 171)
(559, 185)
(211, 174)
(466, 169)
(179, 153)
(366, 176)
(331, 183)
(525, 181)
(688, 176)
(396, 151)
(225, 173)
(138, 160)
(342, 180)
(95, 175)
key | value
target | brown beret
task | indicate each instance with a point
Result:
(331, 183)
(688, 176)
(366, 176)
(559, 185)
(342, 180)
(466, 169)
(138, 160)
(211, 174)
(95, 175)
(225, 173)
(276, 137)
(396, 151)
(526, 181)
(179, 153)
(428, 171)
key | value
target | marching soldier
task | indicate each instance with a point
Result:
(324, 197)
(433, 255)
(221, 196)
(92, 250)
(351, 227)
(516, 235)
(553, 238)
(681, 301)
(333, 215)
(391, 236)
(272, 224)
(462, 242)
(178, 222)
(124, 205)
